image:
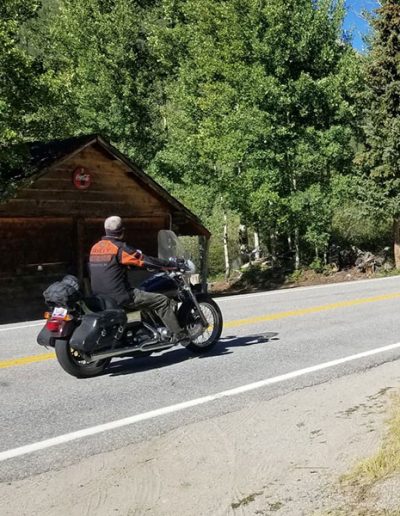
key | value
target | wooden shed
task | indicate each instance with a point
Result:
(56, 214)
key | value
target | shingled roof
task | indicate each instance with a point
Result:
(41, 155)
(44, 154)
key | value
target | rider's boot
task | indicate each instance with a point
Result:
(181, 338)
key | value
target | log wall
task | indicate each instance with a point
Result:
(52, 222)
(47, 230)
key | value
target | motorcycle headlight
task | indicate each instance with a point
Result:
(191, 267)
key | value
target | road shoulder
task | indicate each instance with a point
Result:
(282, 456)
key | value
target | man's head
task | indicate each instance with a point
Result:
(114, 227)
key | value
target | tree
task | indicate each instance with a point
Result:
(259, 105)
(96, 54)
(381, 157)
(21, 89)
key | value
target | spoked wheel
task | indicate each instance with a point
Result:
(203, 339)
(74, 364)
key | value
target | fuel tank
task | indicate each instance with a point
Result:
(160, 284)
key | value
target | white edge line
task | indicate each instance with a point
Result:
(112, 425)
(286, 290)
(32, 325)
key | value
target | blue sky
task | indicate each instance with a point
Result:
(355, 21)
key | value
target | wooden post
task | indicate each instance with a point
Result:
(204, 243)
(80, 238)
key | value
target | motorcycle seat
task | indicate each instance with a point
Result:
(100, 303)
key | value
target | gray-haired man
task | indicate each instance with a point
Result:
(109, 261)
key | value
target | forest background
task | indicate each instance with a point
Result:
(259, 115)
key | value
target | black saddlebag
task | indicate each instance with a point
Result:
(99, 331)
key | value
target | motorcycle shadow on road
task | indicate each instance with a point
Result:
(225, 346)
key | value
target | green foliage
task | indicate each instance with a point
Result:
(23, 90)
(96, 54)
(358, 216)
(19, 80)
(319, 267)
(351, 227)
(215, 225)
(264, 116)
(380, 159)
(254, 109)
(295, 276)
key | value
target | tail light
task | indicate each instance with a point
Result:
(54, 325)
(57, 324)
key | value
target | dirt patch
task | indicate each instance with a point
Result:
(259, 282)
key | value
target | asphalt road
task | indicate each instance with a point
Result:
(266, 335)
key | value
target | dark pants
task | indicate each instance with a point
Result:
(159, 303)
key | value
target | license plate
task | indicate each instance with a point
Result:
(59, 312)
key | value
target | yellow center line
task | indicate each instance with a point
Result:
(310, 310)
(239, 322)
(26, 360)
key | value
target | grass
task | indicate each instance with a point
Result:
(220, 276)
(384, 274)
(353, 511)
(357, 486)
(387, 460)
(381, 465)
(246, 500)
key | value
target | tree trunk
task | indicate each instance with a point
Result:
(273, 246)
(257, 253)
(296, 234)
(396, 239)
(289, 241)
(226, 251)
(243, 244)
(297, 248)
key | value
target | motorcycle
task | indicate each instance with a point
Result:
(87, 333)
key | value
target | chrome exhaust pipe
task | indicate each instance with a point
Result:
(152, 345)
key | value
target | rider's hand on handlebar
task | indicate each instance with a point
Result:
(181, 262)
(178, 263)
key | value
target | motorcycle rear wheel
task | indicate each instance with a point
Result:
(75, 365)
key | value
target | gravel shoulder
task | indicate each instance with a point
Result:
(304, 278)
(283, 456)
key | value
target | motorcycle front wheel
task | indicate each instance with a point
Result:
(75, 365)
(203, 339)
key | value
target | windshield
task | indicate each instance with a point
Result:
(169, 245)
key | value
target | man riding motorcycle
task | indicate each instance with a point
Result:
(108, 263)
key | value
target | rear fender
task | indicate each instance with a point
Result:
(46, 338)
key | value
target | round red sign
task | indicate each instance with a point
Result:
(81, 178)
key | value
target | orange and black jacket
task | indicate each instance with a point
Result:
(108, 263)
